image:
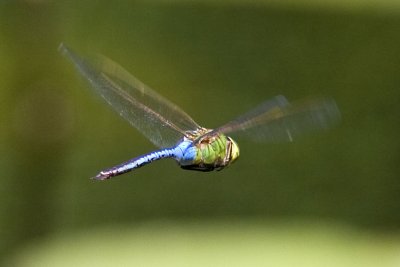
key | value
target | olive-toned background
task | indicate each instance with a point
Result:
(215, 59)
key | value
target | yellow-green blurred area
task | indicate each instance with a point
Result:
(329, 199)
(251, 243)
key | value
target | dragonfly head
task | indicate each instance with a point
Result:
(234, 151)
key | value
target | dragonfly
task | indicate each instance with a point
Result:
(178, 136)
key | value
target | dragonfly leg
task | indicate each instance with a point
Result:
(135, 163)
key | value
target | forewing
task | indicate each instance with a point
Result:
(161, 121)
(277, 120)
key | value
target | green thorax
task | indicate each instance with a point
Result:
(213, 151)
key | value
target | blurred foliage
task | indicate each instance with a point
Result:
(215, 60)
(242, 243)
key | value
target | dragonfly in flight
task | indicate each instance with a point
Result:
(178, 136)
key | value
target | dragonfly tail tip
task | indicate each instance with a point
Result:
(101, 177)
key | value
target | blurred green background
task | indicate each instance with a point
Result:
(326, 200)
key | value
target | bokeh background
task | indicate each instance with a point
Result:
(331, 199)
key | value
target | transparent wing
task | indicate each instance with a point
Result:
(161, 121)
(277, 120)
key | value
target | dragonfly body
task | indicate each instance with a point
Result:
(208, 152)
(179, 137)
(199, 152)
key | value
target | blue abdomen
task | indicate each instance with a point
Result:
(185, 153)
